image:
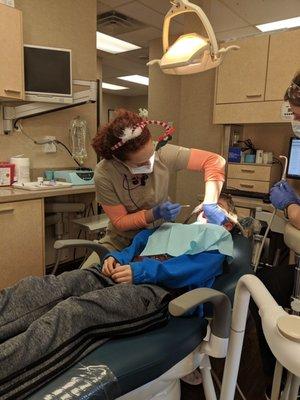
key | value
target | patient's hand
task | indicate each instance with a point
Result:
(109, 266)
(122, 274)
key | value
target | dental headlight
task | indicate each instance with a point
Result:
(191, 53)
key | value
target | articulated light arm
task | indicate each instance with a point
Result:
(184, 6)
(191, 53)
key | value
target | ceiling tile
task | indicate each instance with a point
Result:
(127, 63)
(160, 6)
(262, 11)
(115, 3)
(237, 33)
(142, 13)
(147, 15)
(102, 8)
(141, 37)
(222, 18)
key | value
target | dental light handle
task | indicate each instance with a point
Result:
(184, 6)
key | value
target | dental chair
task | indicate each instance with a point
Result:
(149, 365)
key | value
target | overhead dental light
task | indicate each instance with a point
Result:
(190, 53)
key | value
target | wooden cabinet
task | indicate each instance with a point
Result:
(11, 45)
(242, 75)
(284, 62)
(251, 82)
(22, 240)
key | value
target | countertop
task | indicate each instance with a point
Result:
(250, 202)
(9, 194)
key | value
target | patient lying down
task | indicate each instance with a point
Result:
(168, 260)
(49, 323)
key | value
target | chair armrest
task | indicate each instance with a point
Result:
(95, 246)
(220, 325)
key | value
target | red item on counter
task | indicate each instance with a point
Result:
(7, 173)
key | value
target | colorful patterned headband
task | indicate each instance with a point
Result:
(130, 133)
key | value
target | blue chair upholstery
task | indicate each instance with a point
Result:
(137, 360)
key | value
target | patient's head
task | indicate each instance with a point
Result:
(225, 201)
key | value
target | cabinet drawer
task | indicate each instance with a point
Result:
(249, 171)
(251, 186)
(22, 241)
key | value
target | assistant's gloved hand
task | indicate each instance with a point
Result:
(167, 211)
(282, 195)
(214, 214)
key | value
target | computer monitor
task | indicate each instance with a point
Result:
(293, 170)
(48, 74)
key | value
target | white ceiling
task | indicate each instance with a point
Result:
(230, 19)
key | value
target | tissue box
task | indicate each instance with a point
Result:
(234, 154)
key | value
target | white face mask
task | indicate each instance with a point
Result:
(296, 127)
(144, 169)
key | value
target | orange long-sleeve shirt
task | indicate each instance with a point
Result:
(211, 164)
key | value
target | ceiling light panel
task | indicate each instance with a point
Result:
(142, 80)
(110, 86)
(113, 45)
(282, 24)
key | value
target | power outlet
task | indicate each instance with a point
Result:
(49, 147)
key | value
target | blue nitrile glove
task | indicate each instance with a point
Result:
(167, 211)
(282, 195)
(214, 214)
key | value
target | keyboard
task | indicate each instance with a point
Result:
(247, 193)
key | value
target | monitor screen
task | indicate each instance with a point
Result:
(293, 170)
(47, 71)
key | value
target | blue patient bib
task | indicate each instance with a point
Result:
(177, 239)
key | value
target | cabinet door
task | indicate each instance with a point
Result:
(242, 75)
(284, 62)
(11, 45)
(22, 240)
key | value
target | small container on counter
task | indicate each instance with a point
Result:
(259, 156)
(7, 173)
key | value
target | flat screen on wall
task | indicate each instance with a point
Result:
(48, 74)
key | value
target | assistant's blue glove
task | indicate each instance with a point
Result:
(167, 211)
(214, 214)
(282, 195)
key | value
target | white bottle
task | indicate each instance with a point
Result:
(259, 156)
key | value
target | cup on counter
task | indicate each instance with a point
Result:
(249, 158)
(270, 157)
(265, 158)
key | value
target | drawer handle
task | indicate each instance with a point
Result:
(253, 95)
(250, 171)
(8, 210)
(12, 90)
(246, 186)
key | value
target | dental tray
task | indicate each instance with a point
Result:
(46, 185)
